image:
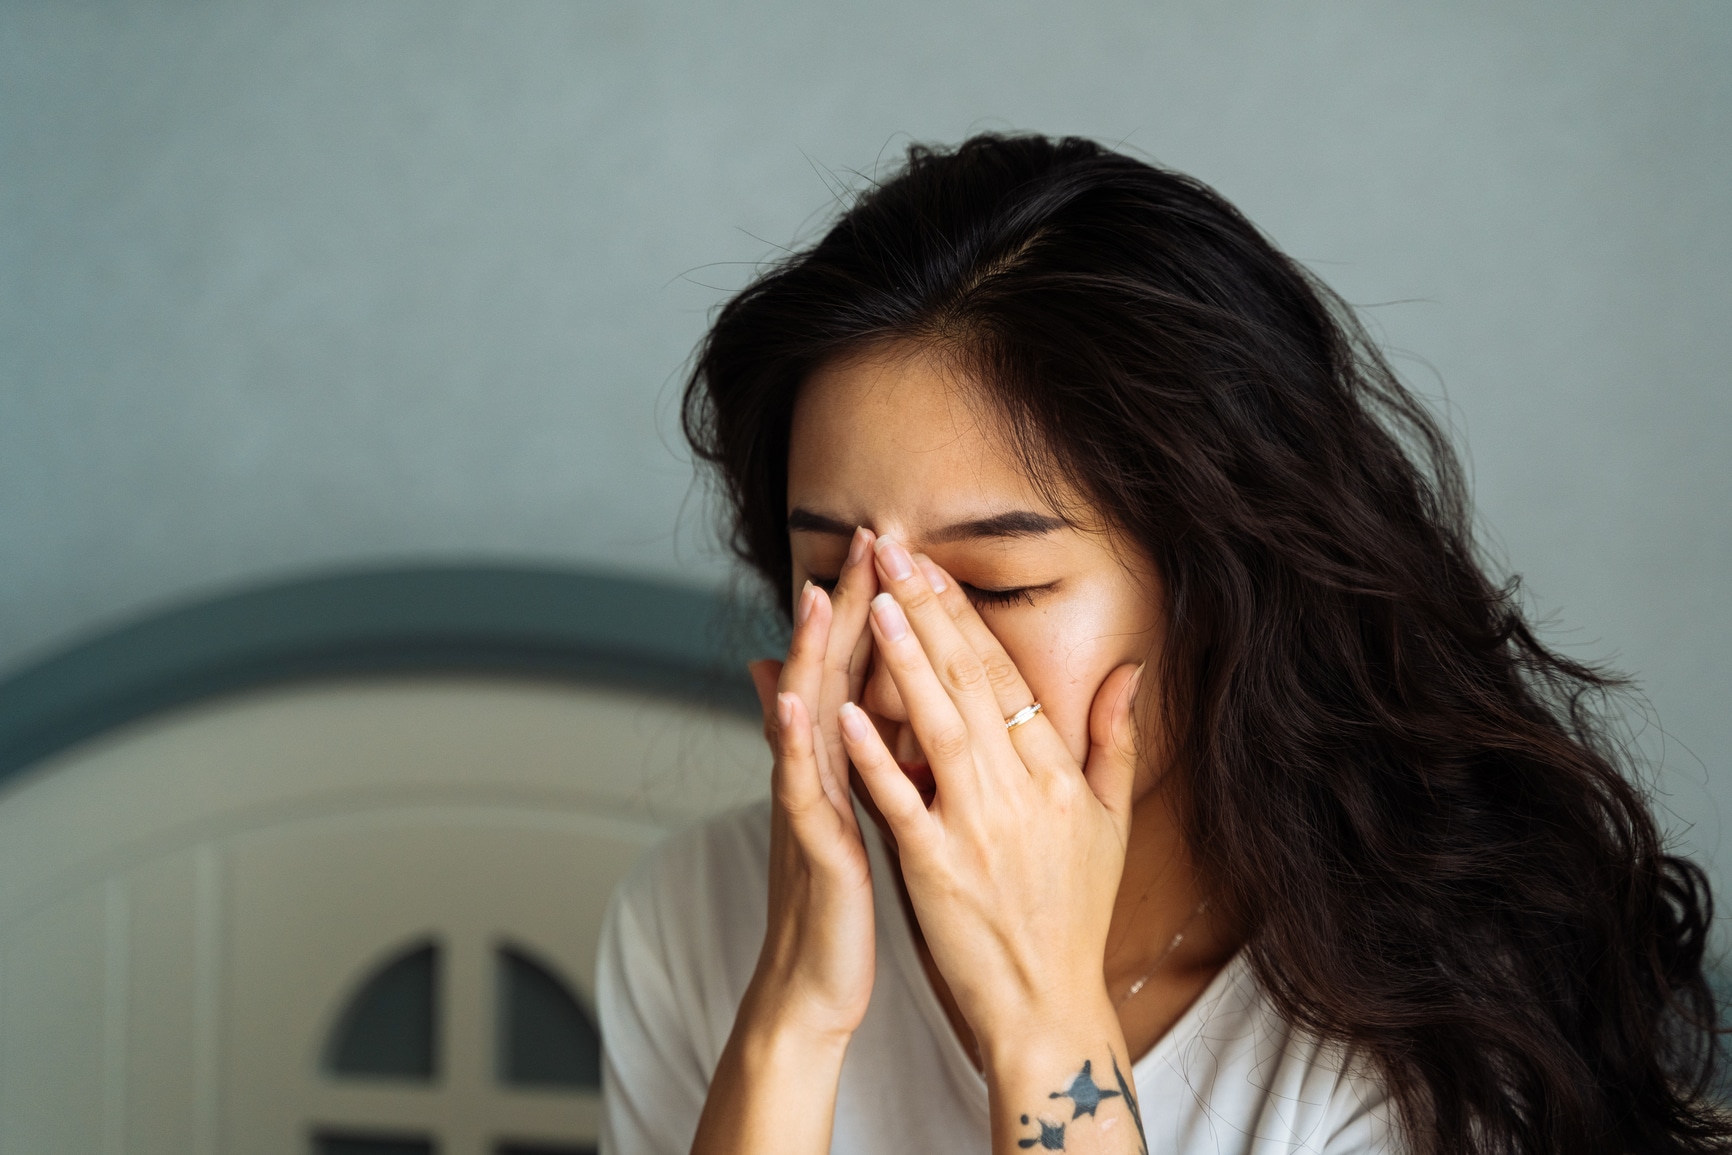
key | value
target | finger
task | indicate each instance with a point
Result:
(765, 673)
(803, 675)
(849, 645)
(897, 798)
(803, 672)
(1037, 740)
(846, 652)
(958, 667)
(1112, 762)
(795, 781)
(942, 732)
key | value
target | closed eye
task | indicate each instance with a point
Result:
(1020, 594)
(981, 597)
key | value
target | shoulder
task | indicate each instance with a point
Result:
(677, 950)
(713, 863)
(693, 907)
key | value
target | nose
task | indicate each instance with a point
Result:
(880, 697)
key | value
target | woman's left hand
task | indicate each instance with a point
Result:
(1013, 869)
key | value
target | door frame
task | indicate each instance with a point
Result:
(683, 642)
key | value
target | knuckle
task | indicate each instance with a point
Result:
(794, 805)
(1068, 788)
(964, 672)
(917, 596)
(1059, 801)
(949, 744)
(1001, 672)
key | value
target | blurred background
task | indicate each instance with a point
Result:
(295, 291)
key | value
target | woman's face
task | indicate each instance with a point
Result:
(897, 442)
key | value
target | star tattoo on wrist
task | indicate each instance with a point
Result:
(1086, 1097)
(1084, 1091)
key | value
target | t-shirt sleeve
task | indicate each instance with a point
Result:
(653, 1081)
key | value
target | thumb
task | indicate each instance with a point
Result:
(766, 676)
(1111, 769)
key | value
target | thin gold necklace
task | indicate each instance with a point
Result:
(1143, 979)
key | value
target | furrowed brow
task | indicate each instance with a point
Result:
(805, 521)
(1016, 523)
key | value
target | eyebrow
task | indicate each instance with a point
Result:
(1015, 523)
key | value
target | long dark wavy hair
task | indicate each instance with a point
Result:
(1411, 805)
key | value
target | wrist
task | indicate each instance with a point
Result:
(1064, 1084)
(775, 1020)
(1035, 1032)
(774, 1090)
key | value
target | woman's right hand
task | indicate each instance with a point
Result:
(775, 1088)
(814, 974)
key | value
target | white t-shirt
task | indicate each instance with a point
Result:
(680, 943)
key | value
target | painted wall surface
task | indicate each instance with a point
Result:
(287, 287)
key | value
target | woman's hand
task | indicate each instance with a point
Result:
(1013, 869)
(818, 951)
(775, 1087)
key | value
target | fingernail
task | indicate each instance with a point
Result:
(895, 559)
(785, 710)
(934, 575)
(854, 722)
(857, 548)
(803, 607)
(889, 617)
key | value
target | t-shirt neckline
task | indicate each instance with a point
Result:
(898, 936)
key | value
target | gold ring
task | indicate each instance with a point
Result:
(1022, 715)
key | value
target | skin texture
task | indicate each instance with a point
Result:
(1042, 869)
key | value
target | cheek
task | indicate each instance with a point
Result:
(1064, 656)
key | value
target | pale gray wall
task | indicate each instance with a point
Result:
(290, 286)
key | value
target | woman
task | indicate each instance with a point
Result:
(1156, 768)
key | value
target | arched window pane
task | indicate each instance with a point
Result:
(388, 1029)
(335, 1143)
(545, 1038)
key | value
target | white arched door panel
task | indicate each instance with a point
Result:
(188, 905)
(467, 880)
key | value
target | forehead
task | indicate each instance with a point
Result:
(897, 437)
